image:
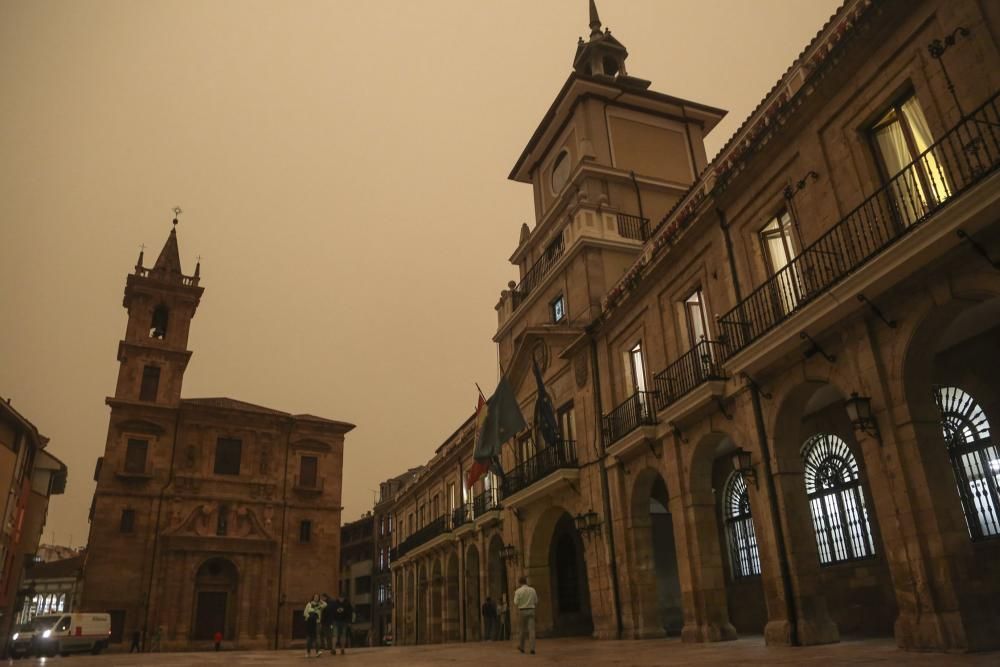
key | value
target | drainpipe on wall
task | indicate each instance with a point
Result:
(605, 493)
(779, 535)
(156, 527)
(724, 226)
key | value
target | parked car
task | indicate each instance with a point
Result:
(62, 634)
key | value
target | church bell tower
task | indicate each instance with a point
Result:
(161, 302)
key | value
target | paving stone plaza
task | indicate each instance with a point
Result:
(575, 651)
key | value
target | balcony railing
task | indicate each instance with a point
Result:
(965, 155)
(487, 501)
(635, 411)
(539, 466)
(538, 270)
(701, 363)
(438, 526)
(461, 515)
(633, 227)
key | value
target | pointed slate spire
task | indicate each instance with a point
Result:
(169, 260)
(595, 20)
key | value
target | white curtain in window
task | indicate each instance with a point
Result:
(923, 139)
(905, 187)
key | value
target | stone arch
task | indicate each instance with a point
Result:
(435, 631)
(216, 587)
(854, 597)
(952, 341)
(452, 629)
(497, 584)
(656, 572)
(557, 568)
(472, 620)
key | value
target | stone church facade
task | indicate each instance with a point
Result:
(775, 373)
(210, 514)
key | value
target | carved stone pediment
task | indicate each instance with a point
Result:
(203, 521)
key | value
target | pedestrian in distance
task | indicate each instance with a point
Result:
(326, 625)
(503, 620)
(526, 599)
(136, 638)
(489, 619)
(342, 616)
(312, 613)
(218, 640)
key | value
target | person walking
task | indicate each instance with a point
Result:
(502, 619)
(326, 625)
(312, 614)
(526, 599)
(489, 619)
(136, 637)
(342, 614)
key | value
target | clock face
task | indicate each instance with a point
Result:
(560, 171)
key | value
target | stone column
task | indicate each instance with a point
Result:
(703, 583)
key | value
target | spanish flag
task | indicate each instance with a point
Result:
(478, 468)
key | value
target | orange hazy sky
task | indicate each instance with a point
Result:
(342, 170)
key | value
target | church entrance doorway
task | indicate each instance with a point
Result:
(215, 599)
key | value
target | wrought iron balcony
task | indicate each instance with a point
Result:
(438, 526)
(487, 501)
(461, 515)
(539, 466)
(965, 155)
(633, 227)
(701, 363)
(538, 270)
(635, 411)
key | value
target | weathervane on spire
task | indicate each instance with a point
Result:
(177, 212)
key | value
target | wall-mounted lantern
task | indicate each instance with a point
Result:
(859, 411)
(743, 465)
(587, 522)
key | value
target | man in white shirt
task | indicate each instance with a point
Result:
(526, 599)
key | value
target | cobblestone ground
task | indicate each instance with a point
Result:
(584, 652)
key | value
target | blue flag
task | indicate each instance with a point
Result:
(545, 414)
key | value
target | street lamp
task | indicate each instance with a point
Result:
(743, 465)
(587, 522)
(859, 411)
(508, 552)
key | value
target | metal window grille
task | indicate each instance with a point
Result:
(743, 555)
(833, 486)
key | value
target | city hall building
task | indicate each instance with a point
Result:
(776, 373)
(210, 514)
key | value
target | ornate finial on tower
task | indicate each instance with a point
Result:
(177, 212)
(197, 269)
(595, 20)
(138, 263)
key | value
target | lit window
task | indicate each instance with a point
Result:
(975, 460)
(694, 309)
(559, 309)
(779, 250)
(743, 556)
(833, 485)
(916, 176)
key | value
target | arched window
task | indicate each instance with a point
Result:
(974, 459)
(158, 323)
(836, 501)
(743, 555)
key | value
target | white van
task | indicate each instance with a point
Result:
(63, 634)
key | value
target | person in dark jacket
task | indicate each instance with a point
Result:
(343, 613)
(489, 619)
(136, 642)
(326, 624)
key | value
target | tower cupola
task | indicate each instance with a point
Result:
(602, 54)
